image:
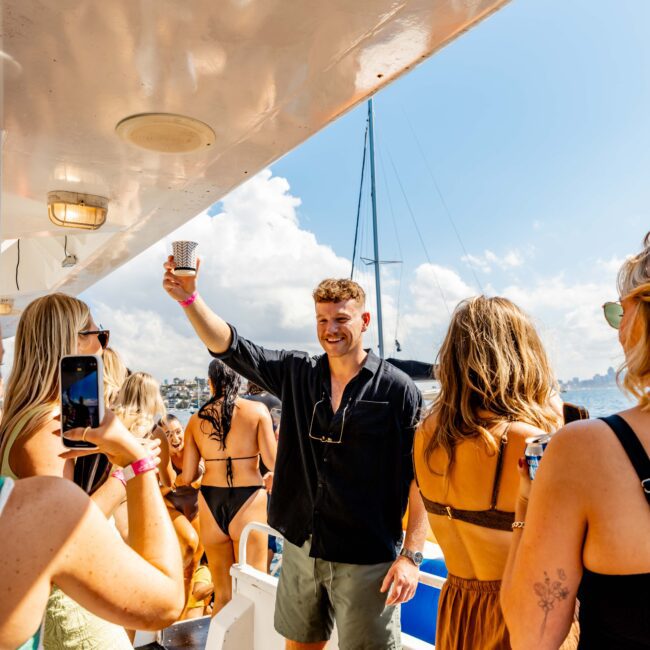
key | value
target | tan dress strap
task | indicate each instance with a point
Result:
(5, 467)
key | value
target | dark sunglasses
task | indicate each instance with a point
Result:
(102, 336)
(613, 312)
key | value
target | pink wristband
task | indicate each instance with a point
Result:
(139, 467)
(119, 475)
(188, 301)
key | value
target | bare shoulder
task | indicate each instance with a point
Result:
(50, 502)
(252, 409)
(523, 430)
(194, 422)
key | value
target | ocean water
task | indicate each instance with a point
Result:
(600, 401)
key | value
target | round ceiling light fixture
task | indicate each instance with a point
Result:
(166, 132)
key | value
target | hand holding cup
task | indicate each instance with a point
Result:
(179, 287)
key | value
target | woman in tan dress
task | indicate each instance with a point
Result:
(495, 391)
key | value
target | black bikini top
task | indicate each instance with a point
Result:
(492, 518)
(229, 473)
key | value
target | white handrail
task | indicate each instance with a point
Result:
(431, 580)
(243, 540)
(428, 579)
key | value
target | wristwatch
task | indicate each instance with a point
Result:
(415, 556)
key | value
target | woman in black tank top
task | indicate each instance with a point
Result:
(587, 529)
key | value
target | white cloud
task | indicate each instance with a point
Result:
(612, 265)
(258, 271)
(259, 268)
(488, 260)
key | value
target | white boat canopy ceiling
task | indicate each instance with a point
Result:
(259, 76)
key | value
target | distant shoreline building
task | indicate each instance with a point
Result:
(597, 381)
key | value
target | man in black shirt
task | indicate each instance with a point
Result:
(343, 474)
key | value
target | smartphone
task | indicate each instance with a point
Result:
(82, 395)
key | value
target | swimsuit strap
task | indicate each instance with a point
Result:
(229, 473)
(633, 448)
(497, 474)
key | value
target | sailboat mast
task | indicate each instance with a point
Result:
(375, 234)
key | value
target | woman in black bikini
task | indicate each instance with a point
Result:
(229, 434)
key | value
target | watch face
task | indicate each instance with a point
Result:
(418, 557)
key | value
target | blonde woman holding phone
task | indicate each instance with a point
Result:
(71, 544)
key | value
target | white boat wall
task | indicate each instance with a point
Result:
(246, 622)
(260, 78)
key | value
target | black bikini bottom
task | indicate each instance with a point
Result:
(226, 502)
(186, 501)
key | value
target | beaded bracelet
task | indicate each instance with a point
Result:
(518, 524)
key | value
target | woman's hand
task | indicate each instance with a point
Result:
(179, 288)
(114, 440)
(267, 480)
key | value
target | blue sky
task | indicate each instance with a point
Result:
(540, 115)
(536, 126)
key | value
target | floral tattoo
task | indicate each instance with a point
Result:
(550, 592)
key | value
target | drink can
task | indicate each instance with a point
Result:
(535, 448)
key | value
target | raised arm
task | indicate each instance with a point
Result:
(544, 565)
(139, 587)
(211, 329)
(166, 470)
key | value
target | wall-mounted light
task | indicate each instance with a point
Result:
(6, 305)
(76, 210)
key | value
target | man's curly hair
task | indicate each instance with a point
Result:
(338, 290)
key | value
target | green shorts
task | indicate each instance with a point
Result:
(314, 594)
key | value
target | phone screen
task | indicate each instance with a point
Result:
(81, 395)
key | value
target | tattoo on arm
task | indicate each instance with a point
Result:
(550, 592)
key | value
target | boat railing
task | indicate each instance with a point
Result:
(246, 622)
(429, 579)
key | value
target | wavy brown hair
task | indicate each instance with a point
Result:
(634, 282)
(492, 367)
(47, 330)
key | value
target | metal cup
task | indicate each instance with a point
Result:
(185, 257)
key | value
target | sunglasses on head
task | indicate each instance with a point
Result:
(102, 336)
(613, 312)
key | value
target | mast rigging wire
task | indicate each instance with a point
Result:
(441, 197)
(363, 170)
(417, 229)
(399, 248)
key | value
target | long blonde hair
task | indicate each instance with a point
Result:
(47, 330)
(139, 403)
(634, 282)
(115, 373)
(492, 367)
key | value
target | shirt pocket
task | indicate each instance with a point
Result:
(370, 418)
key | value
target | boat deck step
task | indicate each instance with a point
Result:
(184, 635)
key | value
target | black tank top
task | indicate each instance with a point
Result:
(615, 609)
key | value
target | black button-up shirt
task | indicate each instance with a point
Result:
(342, 477)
